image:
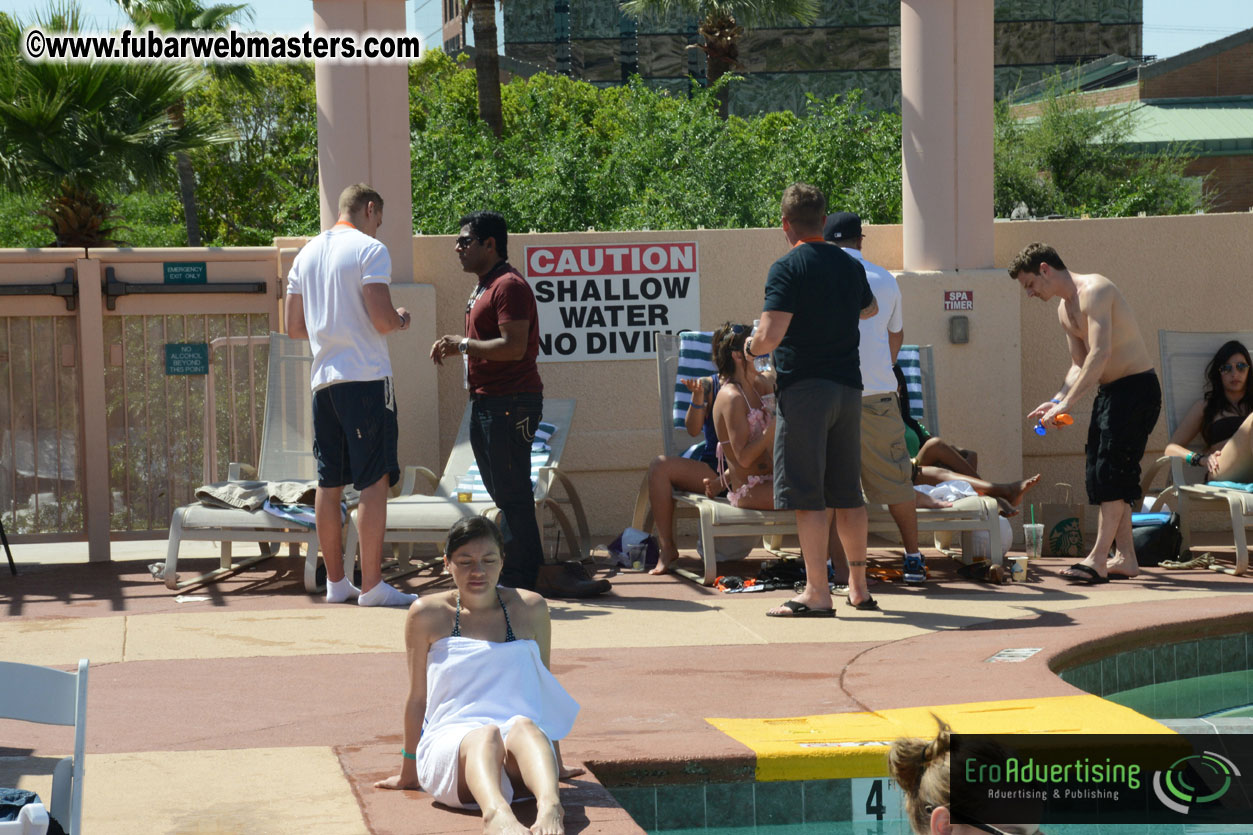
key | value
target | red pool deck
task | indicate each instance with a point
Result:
(195, 690)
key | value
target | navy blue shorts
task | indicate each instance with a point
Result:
(354, 433)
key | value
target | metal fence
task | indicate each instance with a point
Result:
(100, 429)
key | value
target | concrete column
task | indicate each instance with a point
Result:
(363, 125)
(96, 495)
(363, 136)
(946, 137)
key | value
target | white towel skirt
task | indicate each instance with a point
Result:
(439, 752)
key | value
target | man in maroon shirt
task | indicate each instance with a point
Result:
(499, 349)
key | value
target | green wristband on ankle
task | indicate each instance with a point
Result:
(407, 755)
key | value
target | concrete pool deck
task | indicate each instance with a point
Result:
(250, 706)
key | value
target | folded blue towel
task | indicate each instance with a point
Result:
(1246, 487)
(1149, 519)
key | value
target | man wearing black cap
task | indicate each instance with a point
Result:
(886, 471)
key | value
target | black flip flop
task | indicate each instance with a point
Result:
(1084, 575)
(867, 605)
(800, 610)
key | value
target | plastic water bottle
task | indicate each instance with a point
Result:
(762, 363)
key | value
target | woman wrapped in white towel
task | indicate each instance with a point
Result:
(483, 713)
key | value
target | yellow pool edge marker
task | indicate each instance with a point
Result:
(846, 745)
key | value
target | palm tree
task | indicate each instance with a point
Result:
(71, 128)
(191, 16)
(487, 62)
(722, 23)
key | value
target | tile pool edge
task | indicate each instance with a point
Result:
(1097, 649)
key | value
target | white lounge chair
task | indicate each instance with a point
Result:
(417, 518)
(286, 455)
(719, 519)
(31, 693)
(1184, 357)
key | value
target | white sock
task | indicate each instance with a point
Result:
(341, 591)
(385, 595)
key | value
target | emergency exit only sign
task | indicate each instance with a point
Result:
(959, 299)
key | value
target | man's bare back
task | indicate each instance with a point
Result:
(1099, 298)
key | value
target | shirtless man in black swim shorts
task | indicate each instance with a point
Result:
(1106, 349)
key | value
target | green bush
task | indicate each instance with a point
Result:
(1073, 160)
(574, 156)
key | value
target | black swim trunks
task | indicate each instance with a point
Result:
(1123, 414)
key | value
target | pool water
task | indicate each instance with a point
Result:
(1200, 686)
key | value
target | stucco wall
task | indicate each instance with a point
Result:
(1015, 359)
(1177, 273)
(616, 430)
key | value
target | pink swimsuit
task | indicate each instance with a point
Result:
(758, 419)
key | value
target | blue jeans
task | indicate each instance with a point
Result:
(501, 431)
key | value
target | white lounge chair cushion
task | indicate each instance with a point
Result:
(232, 519)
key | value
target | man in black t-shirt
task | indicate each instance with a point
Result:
(815, 296)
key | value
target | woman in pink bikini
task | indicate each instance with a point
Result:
(744, 420)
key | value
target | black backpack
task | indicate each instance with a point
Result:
(1157, 541)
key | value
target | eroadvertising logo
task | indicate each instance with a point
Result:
(1038, 779)
(1177, 789)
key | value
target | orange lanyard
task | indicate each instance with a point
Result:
(815, 239)
(344, 223)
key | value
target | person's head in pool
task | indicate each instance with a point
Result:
(921, 768)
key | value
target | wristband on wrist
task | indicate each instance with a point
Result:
(1055, 400)
(1194, 458)
(407, 755)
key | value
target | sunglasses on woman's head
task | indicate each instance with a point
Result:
(1226, 368)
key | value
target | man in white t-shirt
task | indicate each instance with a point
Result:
(886, 470)
(338, 299)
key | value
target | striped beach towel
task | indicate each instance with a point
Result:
(910, 361)
(540, 453)
(695, 360)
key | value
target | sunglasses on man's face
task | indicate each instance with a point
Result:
(464, 241)
(1227, 368)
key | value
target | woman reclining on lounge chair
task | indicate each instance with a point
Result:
(1223, 418)
(937, 461)
(483, 711)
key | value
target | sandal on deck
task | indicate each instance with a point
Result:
(800, 610)
(1083, 574)
(1203, 561)
(867, 605)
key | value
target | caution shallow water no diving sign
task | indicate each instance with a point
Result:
(604, 301)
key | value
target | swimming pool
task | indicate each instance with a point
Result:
(1202, 685)
(1203, 678)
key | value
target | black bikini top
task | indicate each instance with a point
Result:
(456, 624)
(1222, 428)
